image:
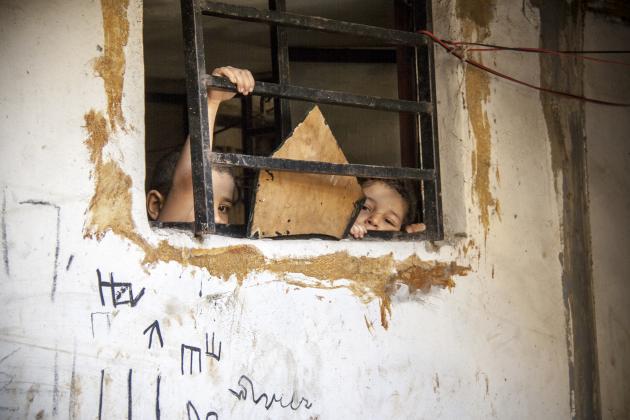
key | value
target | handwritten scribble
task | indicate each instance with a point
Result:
(157, 398)
(193, 350)
(154, 327)
(212, 353)
(70, 259)
(100, 396)
(190, 405)
(92, 316)
(57, 247)
(118, 291)
(129, 394)
(244, 382)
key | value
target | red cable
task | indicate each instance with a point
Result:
(575, 54)
(453, 50)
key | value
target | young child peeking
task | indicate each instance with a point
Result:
(173, 201)
(389, 206)
(223, 185)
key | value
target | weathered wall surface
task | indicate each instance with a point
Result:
(609, 190)
(339, 329)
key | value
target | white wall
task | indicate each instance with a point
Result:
(492, 346)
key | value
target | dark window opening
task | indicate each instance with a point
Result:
(385, 65)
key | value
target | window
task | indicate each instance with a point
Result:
(418, 156)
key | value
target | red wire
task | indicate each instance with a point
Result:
(453, 50)
(535, 50)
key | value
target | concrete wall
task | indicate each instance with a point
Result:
(357, 329)
(609, 190)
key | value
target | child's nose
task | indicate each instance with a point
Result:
(374, 219)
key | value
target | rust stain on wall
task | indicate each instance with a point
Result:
(111, 65)
(368, 278)
(476, 17)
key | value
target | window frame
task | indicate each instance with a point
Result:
(423, 106)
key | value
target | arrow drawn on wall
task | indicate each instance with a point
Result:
(154, 327)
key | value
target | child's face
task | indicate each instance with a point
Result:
(181, 206)
(223, 190)
(384, 208)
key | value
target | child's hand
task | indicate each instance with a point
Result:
(358, 231)
(415, 228)
(243, 80)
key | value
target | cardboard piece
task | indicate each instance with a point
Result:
(290, 203)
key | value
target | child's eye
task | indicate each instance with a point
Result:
(223, 208)
(366, 208)
(390, 222)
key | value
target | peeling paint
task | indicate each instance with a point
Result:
(369, 277)
(111, 65)
(110, 206)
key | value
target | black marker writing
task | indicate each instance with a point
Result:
(210, 414)
(157, 398)
(100, 396)
(212, 353)
(154, 327)
(117, 291)
(192, 351)
(244, 382)
(129, 395)
(69, 262)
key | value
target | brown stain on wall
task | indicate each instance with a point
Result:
(75, 394)
(477, 94)
(476, 17)
(368, 278)
(111, 202)
(111, 65)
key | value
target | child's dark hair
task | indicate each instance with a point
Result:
(405, 188)
(162, 176)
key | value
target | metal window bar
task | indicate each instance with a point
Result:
(197, 81)
(280, 69)
(427, 124)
